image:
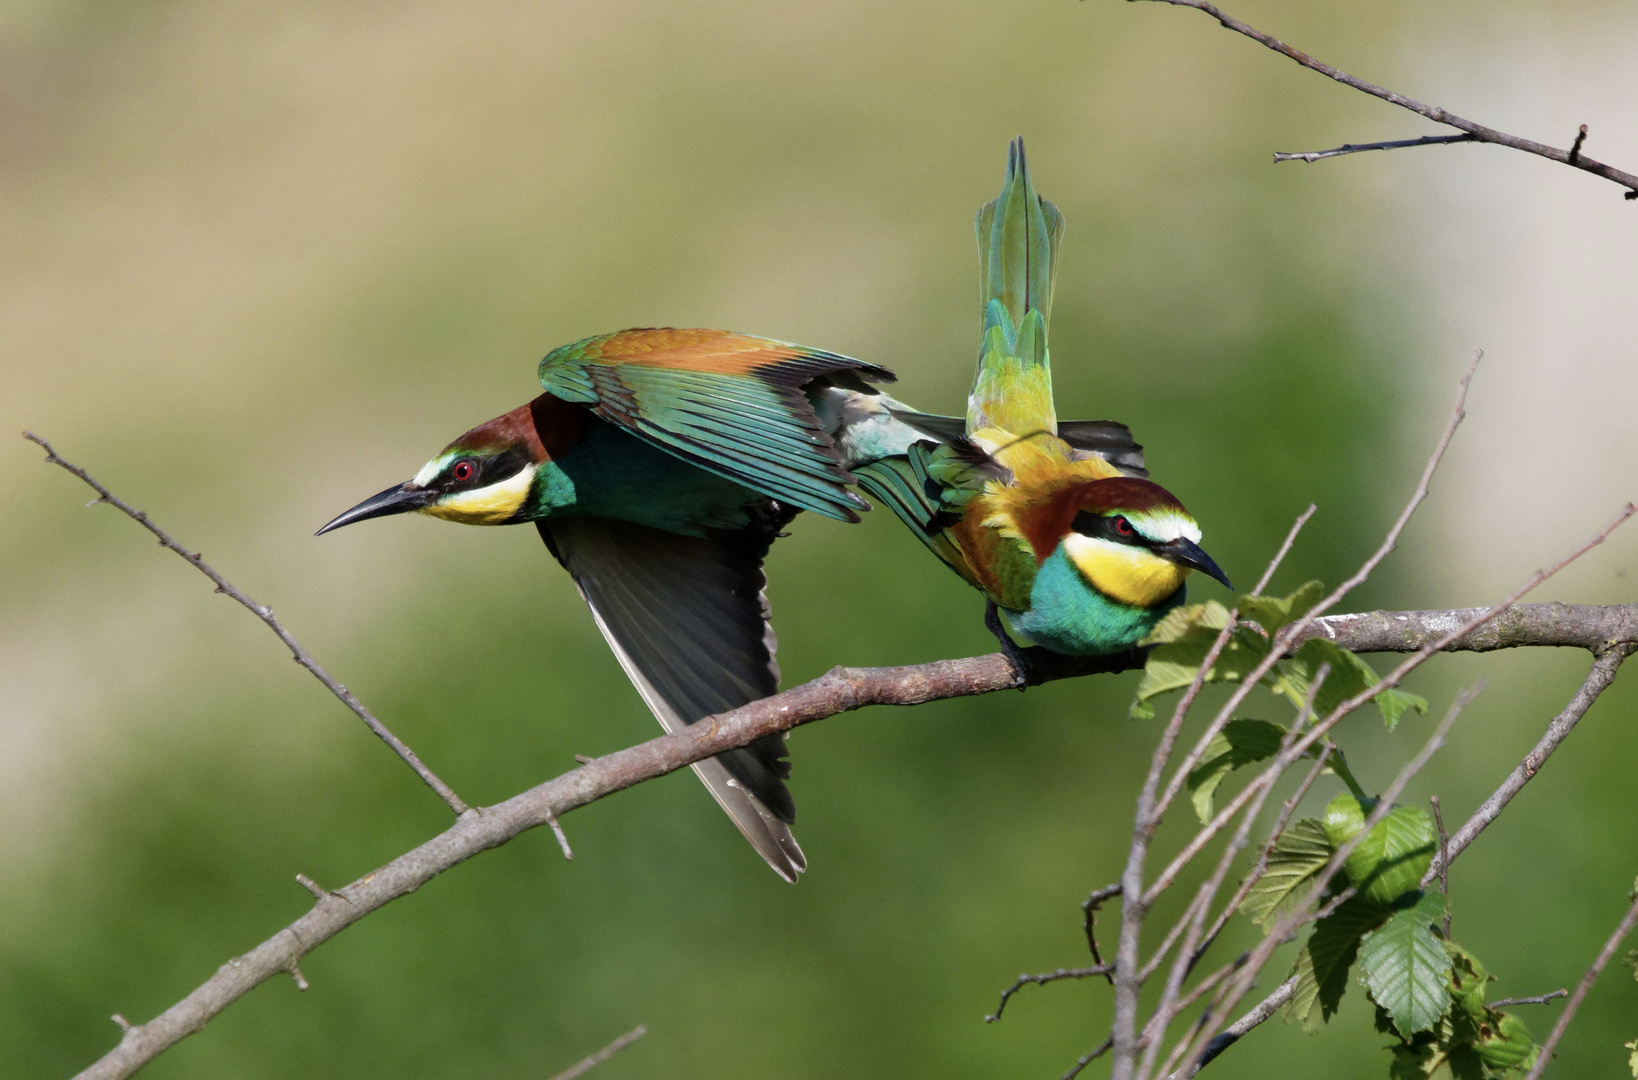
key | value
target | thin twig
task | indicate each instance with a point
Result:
(1088, 1058)
(1603, 671)
(1257, 1014)
(1257, 871)
(587, 1064)
(1285, 549)
(1476, 132)
(1090, 908)
(1629, 921)
(1041, 980)
(301, 655)
(1444, 859)
(1312, 156)
(1539, 999)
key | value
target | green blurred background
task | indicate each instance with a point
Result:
(260, 260)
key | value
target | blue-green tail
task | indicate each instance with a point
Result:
(1019, 234)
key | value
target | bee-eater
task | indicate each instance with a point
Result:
(659, 466)
(1056, 524)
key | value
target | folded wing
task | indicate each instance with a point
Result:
(729, 403)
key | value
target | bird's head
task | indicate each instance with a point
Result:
(485, 477)
(1132, 540)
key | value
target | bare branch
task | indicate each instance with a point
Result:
(1041, 980)
(1539, 999)
(1598, 679)
(1090, 908)
(1087, 1058)
(587, 1064)
(1444, 859)
(301, 655)
(1312, 156)
(1476, 132)
(1570, 1007)
(1259, 1013)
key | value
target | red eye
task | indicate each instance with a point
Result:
(1123, 529)
(463, 471)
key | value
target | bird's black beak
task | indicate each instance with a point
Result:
(395, 500)
(1184, 552)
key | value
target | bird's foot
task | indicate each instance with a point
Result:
(1015, 654)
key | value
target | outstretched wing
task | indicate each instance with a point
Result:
(729, 403)
(688, 621)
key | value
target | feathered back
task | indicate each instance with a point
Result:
(1019, 234)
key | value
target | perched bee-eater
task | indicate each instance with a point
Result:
(1056, 524)
(659, 466)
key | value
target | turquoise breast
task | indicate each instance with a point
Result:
(1067, 615)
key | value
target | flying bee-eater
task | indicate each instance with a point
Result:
(1056, 524)
(659, 466)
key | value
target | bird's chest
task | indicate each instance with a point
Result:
(1067, 615)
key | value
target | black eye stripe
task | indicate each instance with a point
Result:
(1108, 528)
(484, 470)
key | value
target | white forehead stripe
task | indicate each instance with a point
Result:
(429, 472)
(1165, 526)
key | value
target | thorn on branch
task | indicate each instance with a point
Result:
(301, 980)
(319, 892)
(1575, 149)
(124, 1024)
(583, 759)
(557, 831)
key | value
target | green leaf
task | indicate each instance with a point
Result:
(1504, 1042)
(1405, 967)
(1349, 675)
(1322, 966)
(1178, 646)
(1390, 862)
(1274, 613)
(1240, 743)
(1299, 854)
(1468, 982)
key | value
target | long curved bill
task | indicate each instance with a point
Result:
(1184, 552)
(395, 500)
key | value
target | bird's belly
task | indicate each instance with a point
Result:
(1066, 615)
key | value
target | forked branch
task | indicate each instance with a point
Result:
(1472, 132)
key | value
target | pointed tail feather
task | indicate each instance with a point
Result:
(1019, 234)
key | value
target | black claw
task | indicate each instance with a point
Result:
(1014, 652)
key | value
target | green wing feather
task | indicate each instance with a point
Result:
(731, 404)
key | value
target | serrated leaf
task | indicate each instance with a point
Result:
(1322, 966)
(1274, 613)
(1299, 854)
(1390, 862)
(1240, 743)
(1178, 646)
(1405, 967)
(1349, 675)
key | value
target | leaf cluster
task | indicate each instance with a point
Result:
(1179, 643)
(1429, 992)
